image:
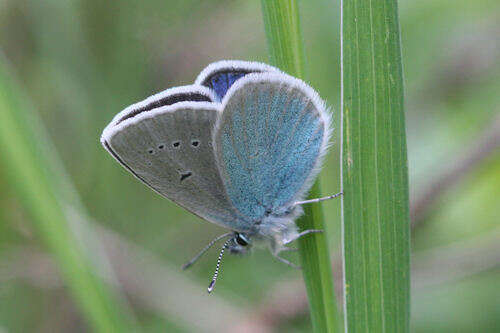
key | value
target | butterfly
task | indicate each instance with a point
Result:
(240, 148)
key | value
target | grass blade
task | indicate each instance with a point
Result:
(281, 21)
(35, 174)
(374, 169)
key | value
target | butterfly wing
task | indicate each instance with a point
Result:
(220, 76)
(166, 142)
(269, 141)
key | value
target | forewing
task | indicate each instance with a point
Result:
(169, 148)
(269, 141)
(220, 76)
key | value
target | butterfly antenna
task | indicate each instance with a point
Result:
(317, 199)
(211, 286)
(205, 249)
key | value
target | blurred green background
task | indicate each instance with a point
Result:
(81, 62)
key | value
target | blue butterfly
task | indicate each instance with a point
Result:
(240, 148)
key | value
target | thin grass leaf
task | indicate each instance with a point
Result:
(281, 21)
(374, 169)
(35, 174)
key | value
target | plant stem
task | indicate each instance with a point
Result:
(35, 174)
(282, 25)
(375, 205)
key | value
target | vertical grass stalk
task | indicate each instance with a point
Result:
(374, 170)
(281, 21)
(34, 174)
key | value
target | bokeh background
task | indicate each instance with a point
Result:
(81, 62)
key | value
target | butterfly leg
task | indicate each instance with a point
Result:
(283, 260)
(305, 232)
(318, 199)
(289, 249)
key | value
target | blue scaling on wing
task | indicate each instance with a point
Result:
(221, 75)
(220, 82)
(268, 142)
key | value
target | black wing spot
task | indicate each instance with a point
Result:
(195, 143)
(186, 175)
(161, 146)
(151, 151)
(176, 144)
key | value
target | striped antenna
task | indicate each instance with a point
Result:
(211, 286)
(205, 249)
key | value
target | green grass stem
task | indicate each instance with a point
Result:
(282, 25)
(376, 234)
(34, 173)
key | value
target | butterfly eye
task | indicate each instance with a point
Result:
(241, 240)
